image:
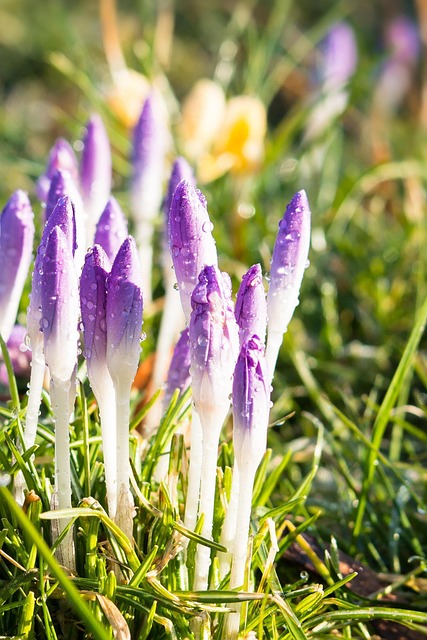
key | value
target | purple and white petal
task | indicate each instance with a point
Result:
(190, 240)
(62, 158)
(16, 246)
(111, 229)
(251, 305)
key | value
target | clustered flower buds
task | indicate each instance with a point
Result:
(88, 277)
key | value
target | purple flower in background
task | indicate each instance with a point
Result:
(251, 305)
(251, 403)
(179, 369)
(124, 314)
(288, 264)
(403, 39)
(16, 246)
(61, 158)
(62, 184)
(190, 239)
(112, 228)
(95, 171)
(338, 57)
(19, 353)
(148, 158)
(60, 306)
(181, 170)
(213, 335)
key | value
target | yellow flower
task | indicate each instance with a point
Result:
(127, 95)
(202, 114)
(222, 136)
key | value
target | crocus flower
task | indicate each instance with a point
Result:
(170, 325)
(93, 300)
(338, 57)
(337, 61)
(16, 246)
(95, 172)
(61, 157)
(148, 165)
(213, 335)
(288, 264)
(59, 306)
(62, 217)
(190, 239)
(61, 185)
(251, 406)
(124, 322)
(111, 229)
(60, 312)
(251, 306)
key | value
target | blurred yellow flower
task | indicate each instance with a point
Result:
(127, 95)
(202, 114)
(222, 136)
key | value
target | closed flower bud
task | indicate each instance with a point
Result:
(16, 246)
(111, 229)
(190, 239)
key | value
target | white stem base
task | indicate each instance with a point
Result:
(194, 473)
(240, 547)
(228, 532)
(60, 395)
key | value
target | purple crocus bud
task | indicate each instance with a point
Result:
(148, 157)
(95, 171)
(112, 228)
(124, 315)
(179, 368)
(181, 170)
(213, 335)
(60, 306)
(93, 300)
(251, 305)
(288, 264)
(190, 240)
(62, 158)
(63, 217)
(339, 57)
(251, 404)
(61, 184)
(16, 246)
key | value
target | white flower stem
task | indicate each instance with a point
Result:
(144, 239)
(274, 342)
(34, 397)
(240, 546)
(60, 395)
(107, 411)
(194, 473)
(171, 324)
(207, 498)
(125, 506)
(31, 416)
(228, 532)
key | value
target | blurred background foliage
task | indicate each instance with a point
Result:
(367, 273)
